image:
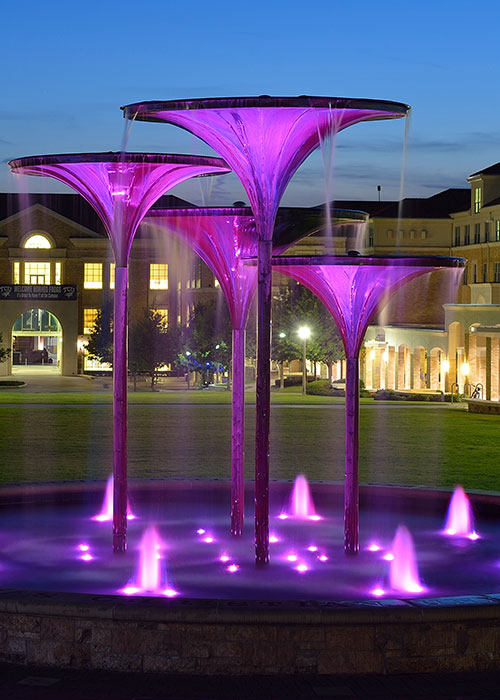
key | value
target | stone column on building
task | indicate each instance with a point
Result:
(391, 368)
(494, 365)
(417, 368)
(376, 369)
(488, 368)
(472, 359)
(433, 371)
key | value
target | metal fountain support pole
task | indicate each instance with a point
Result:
(238, 432)
(351, 488)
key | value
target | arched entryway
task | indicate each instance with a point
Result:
(37, 342)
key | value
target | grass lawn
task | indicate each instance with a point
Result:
(401, 444)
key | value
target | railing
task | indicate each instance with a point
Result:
(455, 384)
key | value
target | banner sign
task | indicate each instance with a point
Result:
(38, 292)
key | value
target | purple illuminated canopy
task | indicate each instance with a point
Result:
(265, 139)
(121, 187)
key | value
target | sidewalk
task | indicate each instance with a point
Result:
(29, 683)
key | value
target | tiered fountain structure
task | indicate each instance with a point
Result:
(264, 140)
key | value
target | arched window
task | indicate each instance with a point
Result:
(37, 240)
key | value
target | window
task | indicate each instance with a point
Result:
(57, 276)
(194, 281)
(164, 317)
(496, 272)
(112, 275)
(423, 233)
(485, 272)
(457, 235)
(37, 241)
(474, 273)
(16, 273)
(478, 195)
(477, 233)
(36, 273)
(412, 233)
(89, 319)
(467, 235)
(92, 275)
(217, 283)
(390, 233)
(158, 276)
(486, 231)
(497, 230)
(371, 237)
(465, 276)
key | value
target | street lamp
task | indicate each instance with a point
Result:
(304, 332)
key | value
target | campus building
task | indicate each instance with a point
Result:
(57, 271)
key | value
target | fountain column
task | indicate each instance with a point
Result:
(238, 433)
(351, 488)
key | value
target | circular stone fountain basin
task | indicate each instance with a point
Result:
(61, 610)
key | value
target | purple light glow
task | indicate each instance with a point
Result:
(302, 568)
(283, 516)
(86, 557)
(264, 140)
(352, 288)
(83, 547)
(388, 557)
(208, 539)
(224, 558)
(312, 548)
(151, 576)
(323, 557)
(301, 503)
(404, 570)
(200, 531)
(378, 592)
(233, 568)
(459, 519)
(374, 547)
(273, 539)
(291, 556)
(121, 187)
(106, 514)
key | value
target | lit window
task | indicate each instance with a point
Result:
(112, 275)
(163, 313)
(36, 273)
(158, 276)
(478, 195)
(57, 278)
(497, 230)
(16, 273)
(89, 319)
(92, 275)
(37, 241)
(216, 282)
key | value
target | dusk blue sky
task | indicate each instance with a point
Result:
(67, 68)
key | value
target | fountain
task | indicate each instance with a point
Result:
(352, 287)
(403, 565)
(459, 519)
(301, 502)
(106, 513)
(222, 238)
(264, 140)
(121, 187)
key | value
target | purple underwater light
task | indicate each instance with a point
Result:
(264, 140)
(121, 187)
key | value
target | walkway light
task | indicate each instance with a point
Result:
(445, 366)
(465, 369)
(304, 332)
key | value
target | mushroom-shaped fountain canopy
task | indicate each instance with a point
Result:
(224, 237)
(353, 286)
(120, 186)
(264, 139)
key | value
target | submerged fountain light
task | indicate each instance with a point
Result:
(301, 504)
(106, 514)
(264, 140)
(374, 547)
(151, 575)
(404, 570)
(459, 519)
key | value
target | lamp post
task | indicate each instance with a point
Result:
(304, 332)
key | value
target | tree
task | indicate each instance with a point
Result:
(152, 344)
(283, 347)
(100, 342)
(208, 340)
(4, 352)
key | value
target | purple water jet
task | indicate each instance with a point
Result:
(459, 519)
(403, 569)
(301, 502)
(121, 187)
(352, 287)
(264, 140)
(222, 238)
(106, 513)
(151, 574)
